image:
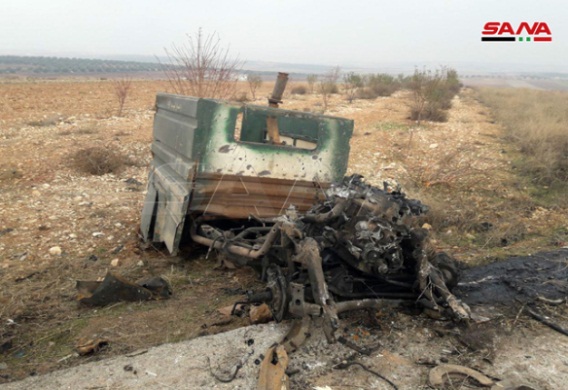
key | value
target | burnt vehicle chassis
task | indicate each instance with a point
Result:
(351, 251)
(265, 188)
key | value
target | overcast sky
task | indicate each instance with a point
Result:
(330, 32)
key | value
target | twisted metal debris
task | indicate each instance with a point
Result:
(358, 247)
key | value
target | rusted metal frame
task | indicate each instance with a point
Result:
(430, 280)
(377, 210)
(340, 206)
(297, 334)
(301, 308)
(410, 296)
(298, 306)
(272, 374)
(234, 248)
(360, 304)
(278, 91)
(309, 256)
(251, 230)
(273, 101)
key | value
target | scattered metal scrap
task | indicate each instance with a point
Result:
(441, 375)
(345, 365)
(272, 374)
(349, 252)
(539, 317)
(115, 288)
(90, 346)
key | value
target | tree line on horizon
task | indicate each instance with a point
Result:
(39, 65)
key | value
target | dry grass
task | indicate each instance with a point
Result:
(299, 90)
(84, 129)
(463, 170)
(450, 169)
(537, 122)
(98, 160)
(49, 120)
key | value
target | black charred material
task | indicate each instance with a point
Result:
(359, 246)
(115, 288)
(375, 232)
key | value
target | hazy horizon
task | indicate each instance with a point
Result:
(362, 34)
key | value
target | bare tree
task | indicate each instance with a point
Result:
(334, 74)
(254, 82)
(312, 79)
(328, 85)
(202, 67)
(121, 90)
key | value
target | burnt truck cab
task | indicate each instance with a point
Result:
(265, 187)
(214, 160)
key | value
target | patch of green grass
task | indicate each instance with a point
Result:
(48, 345)
(50, 120)
(87, 128)
(390, 126)
(552, 195)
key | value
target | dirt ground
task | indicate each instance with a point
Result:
(59, 224)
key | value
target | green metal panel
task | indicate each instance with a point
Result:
(196, 138)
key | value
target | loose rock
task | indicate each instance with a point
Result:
(55, 251)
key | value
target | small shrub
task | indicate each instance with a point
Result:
(365, 93)
(352, 82)
(99, 160)
(382, 84)
(50, 120)
(299, 90)
(333, 89)
(429, 112)
(432, 94)
(328, 85)
(241, 97)
(87, 128)
(312, 80)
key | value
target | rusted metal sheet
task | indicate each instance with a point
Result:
(241, 196)
(273, 101)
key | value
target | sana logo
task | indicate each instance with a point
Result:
(505, 32)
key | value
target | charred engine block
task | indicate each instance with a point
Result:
(359, 246)
(369, 228)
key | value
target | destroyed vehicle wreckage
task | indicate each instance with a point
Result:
(324, 244)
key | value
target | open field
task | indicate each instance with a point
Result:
(550, 84)
(536, 122)
(59, 224)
